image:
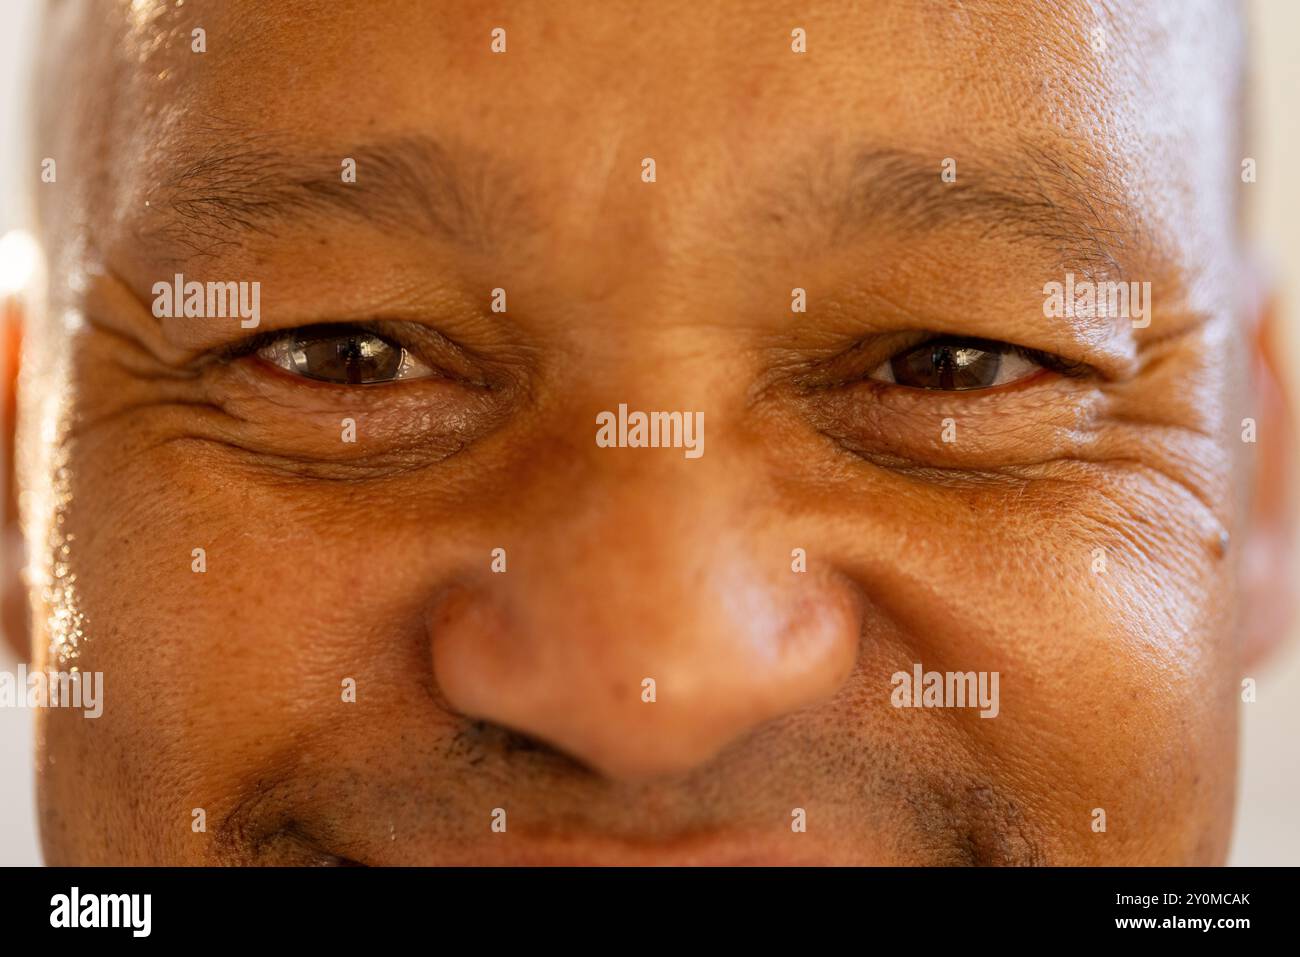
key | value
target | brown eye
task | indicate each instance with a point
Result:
(342, 355)
(957, 364)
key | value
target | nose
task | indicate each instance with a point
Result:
(642, 643)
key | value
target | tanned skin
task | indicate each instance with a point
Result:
(1103, 145)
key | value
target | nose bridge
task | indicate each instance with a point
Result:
(639, 563)
(644, 631)
(655, 554)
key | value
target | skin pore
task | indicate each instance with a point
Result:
(142, 439)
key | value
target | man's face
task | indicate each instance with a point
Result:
(349, 670)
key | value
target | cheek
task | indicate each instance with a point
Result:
(1105, 608)
(223, 663)
(1130, 702)
(125, 612)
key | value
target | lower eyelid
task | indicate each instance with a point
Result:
(270, 410)
(1043, 415)
(912, 394)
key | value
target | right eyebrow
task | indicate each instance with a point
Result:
(226, 192)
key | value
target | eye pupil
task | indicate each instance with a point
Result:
(947, 364)
(354, 358)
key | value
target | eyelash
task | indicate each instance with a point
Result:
(258, 342)
(1048, 360)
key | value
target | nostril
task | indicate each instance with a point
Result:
(476, 740)
(511, 741)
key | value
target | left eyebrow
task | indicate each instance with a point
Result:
(1052, 201)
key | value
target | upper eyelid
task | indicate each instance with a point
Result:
(422, 341)
(254, 343)
(1049, 360)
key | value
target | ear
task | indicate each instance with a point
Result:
(13, 592)
(1268, 570)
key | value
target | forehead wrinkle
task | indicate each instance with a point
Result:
(1051, 201)
(229, 186)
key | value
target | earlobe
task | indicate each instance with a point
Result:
(14, 620)
(1267, 563)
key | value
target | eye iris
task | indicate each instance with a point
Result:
(355, 359)
(946, 365)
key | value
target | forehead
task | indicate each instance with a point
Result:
(931, 74)
(1136, 103)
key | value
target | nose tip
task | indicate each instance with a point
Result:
(635, 688)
